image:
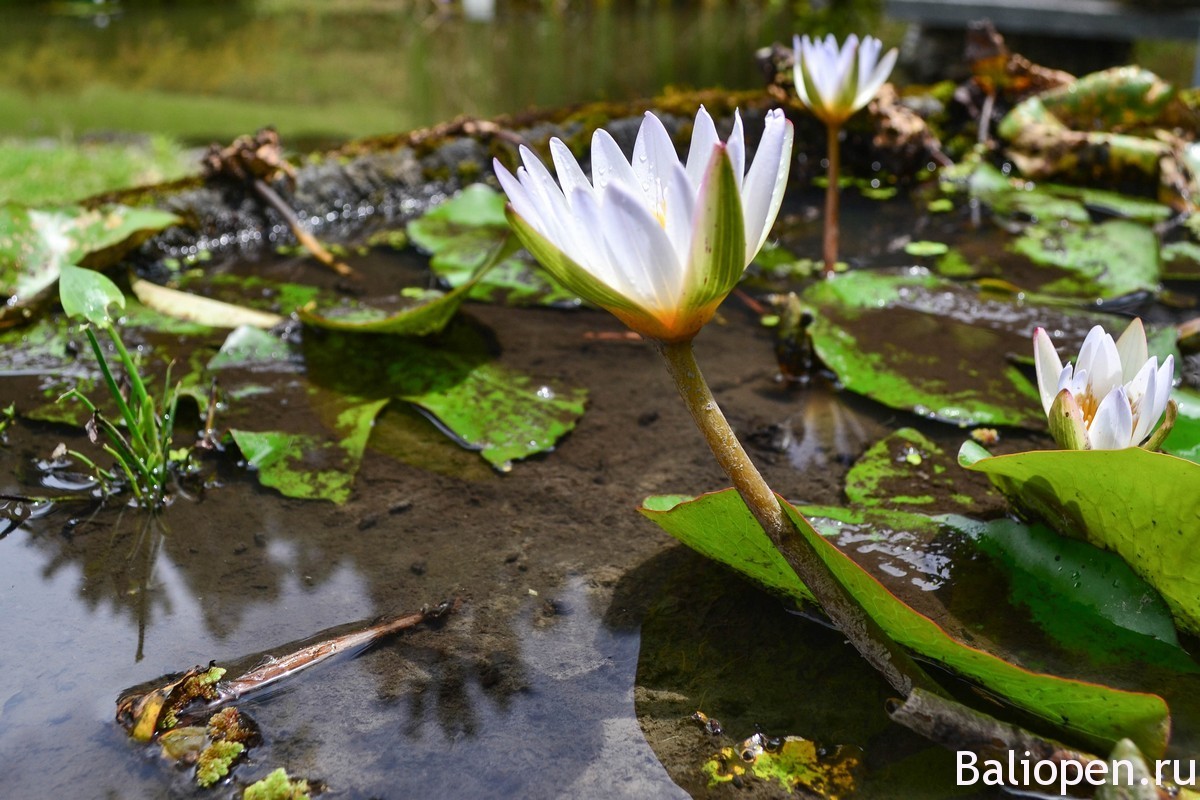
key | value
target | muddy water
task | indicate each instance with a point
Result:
(585, 636)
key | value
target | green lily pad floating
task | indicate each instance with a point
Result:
(307, 466)
(1181, 261)
(904, 470)
(924, 249)
(36, 243)
(460, 234)
(1086, 598)
(1184, 439)
(1143, 506)
(427, 316)
(720, 526)
(1105, 260)
(913, 341)
(1115, 204)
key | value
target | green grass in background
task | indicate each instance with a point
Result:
(52, 171)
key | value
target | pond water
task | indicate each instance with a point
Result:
(585, 637)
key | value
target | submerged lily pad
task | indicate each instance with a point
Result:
(1105, 260)
(36, 243)
(311, 467)
(719, 526)
(1144, 506)
(460, 233)
(427, 316)
(914, 341)
(905, 469)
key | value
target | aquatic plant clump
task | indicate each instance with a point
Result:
(1111, 397)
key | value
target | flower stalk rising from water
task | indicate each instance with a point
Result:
(834, 83)
(659, 243)
(1111, 397)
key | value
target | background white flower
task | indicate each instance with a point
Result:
(657, 242)
(1111, 397)
(835, 82)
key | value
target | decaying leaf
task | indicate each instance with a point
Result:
(795, 763)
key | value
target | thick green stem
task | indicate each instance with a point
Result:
(831, 199)
(896, 666)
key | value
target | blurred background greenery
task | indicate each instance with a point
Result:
(101, 94)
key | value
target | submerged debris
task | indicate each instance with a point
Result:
(792, 761)
(190, 717)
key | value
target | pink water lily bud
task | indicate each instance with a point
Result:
(654, 240)
(835, 82)
(1112, 397)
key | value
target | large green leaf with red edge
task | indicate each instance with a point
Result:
(720, 527)
(1144, 506)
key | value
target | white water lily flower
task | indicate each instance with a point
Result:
(1113, 395)
(835, 82)
(657, 242)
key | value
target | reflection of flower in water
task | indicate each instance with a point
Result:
(829, 432)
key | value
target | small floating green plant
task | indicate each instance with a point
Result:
(142, 451)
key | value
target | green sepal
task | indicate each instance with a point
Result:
(1160, 435)
(718, 256)
(1066, 422)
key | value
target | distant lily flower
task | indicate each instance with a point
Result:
(835, 82)
(1112, 397)
(657, 242)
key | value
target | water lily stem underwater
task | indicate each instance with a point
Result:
(888, 657)
(831, 198)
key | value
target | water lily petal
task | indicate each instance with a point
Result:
(1099, 358)
(681, 205)
(736, 147)
(869, 82)
(704, 139)
(1141, 392)
(1048, 366)
(797, 71)
(1164, 381)
(1112, 427)
(570, 174)
(609, 165)
(640, 248)
(1132, 349)
(762, 193)
(518, 197)
(653, 155)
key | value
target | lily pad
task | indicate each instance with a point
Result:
(36, 243)
(1144, 506)
(913, 341)
(428, 316)
(1086, 598)
(311, 467)
(904, 470)
(1105, 260)
(720, 526)
(460, 233)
